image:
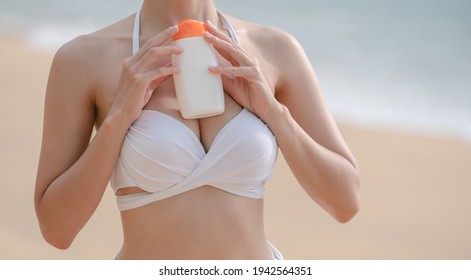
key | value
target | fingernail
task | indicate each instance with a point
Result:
(213, 69)
(173, 28)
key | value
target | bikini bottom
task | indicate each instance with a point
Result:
(276, 253)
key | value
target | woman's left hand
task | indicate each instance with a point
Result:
(243, 80)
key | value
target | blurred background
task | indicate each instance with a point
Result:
(396, 75)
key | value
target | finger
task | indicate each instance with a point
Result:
(213, 30)
(227, 56)
(156, 41)
(229, 50)
(156, 77)
(153, 54)
(247, 72)
(216, 32)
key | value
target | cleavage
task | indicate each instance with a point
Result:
(164, 101)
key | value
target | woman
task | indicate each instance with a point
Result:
(271, 93)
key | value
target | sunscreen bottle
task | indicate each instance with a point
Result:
(200, 93)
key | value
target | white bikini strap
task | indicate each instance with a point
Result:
(228, 27)
(136, 32)
(137, 24)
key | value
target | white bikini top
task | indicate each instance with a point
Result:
(164, 157)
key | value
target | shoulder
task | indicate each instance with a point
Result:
(85, 52)
(78, 53)
(81, 65)
(271, 40)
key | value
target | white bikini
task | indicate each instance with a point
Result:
(164, 157)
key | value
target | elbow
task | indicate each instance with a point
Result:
(347, 214)
(350, 206)
(343, 211)
(55, 231)
(57, 238)
(56, 235)
(58, 243)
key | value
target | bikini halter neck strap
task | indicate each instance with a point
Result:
(137, 26)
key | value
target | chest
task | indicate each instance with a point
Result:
(164, 97)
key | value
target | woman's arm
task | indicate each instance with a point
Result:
(73, 173)
(298, 116)
(309, 138)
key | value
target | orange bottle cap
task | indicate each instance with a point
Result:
(190, 28)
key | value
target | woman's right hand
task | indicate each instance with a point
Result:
(142, 73)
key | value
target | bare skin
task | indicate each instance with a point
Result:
(96, 81)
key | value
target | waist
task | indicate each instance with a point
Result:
(205, 223)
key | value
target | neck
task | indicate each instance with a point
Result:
(160, 14)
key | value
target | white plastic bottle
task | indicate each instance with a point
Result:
(200, 93)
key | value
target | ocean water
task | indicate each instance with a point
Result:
(398, 64)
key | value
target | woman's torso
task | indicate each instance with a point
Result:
(204, 223)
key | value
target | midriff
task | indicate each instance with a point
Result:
(204, 223)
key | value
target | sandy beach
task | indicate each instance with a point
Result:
(416, 189)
